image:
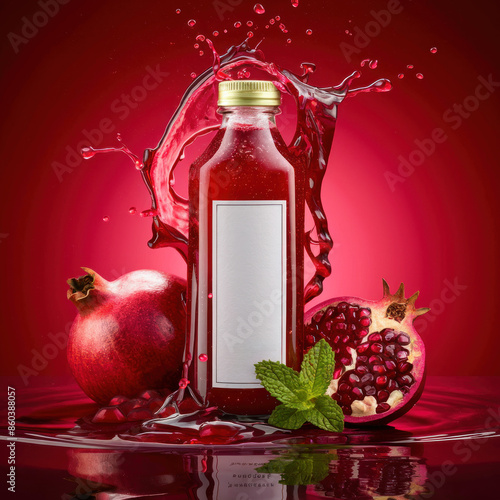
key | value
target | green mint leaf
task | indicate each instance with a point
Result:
(326, 414)
(287, 418)
(317, 369)
(283, 383)
(299, 469)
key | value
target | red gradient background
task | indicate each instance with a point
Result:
(440, 224)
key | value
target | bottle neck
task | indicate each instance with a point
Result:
(249, 117)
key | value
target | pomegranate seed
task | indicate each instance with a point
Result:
(328, 313)
(370, 390)
(362, 333)
(391, 374)
(336, 340)
(337, 372)
(310, 339)
(343, 387)
(382, 407)
(150, 395)
(345, 339)
(363, 348)
(108, 415)
(381, 381)
(367, 378)
(342, 306)
(339, 318)
(392, 385)
(390, 349)
(378, 369)
(402, 354)
(346, 361)
(117, 400)
(361, 370)
(358, 393)
(404, 367)
(390, 365)
(365, 321)
(362, 359)
(375, 337)
(406, 380)
(364, 312)
(389, 335)
(155, 405)
(376, 348)
(341, 326)
(375, 360)
(382, 396)
(352, 314)
(353, 378)
(346, 400)
(403, 339)
(347, 410)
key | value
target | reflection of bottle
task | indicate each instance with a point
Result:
(245, 265)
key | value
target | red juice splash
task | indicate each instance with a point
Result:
(311, 145)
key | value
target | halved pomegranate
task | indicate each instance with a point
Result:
(379, 357)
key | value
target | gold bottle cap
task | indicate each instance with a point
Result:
(248, 93)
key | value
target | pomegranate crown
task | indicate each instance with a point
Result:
(399, 306)
(79, 288)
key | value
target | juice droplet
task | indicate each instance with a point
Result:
(183, 383)
(434, 50)
(289, 40)
(201, 52)
(215, 33)
(420, 76)
(87, 153)
(309, 32)
(271, 21)
(148, 213)
(193, 75)
(177, 11)
(282, 27)
(258, 8)
(249, 24)
(237, 24)
(200, 38)
(119, 137)
(267, 26)
(196, 45)
(225, 31)
(373, 64)
(401, 76)
(132, 210)
(250, 34)
(295, 3)
(277, 18)
(191, 23)
(203, 358)
(410, 66)
(210, 295)
(105, 218)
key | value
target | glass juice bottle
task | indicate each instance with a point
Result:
(246, 260)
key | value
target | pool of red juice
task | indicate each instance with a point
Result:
(446, 447)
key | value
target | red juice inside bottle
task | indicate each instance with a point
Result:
(245, 257)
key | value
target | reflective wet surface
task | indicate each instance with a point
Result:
(447, 446)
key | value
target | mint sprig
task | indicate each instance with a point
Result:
(303, 394)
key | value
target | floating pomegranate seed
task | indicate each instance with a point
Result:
(109, 415)
(382, 407)
(118, 400)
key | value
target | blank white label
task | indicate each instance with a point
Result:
(249, 289)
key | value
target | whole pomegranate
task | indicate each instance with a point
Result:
(379, 357)
(129, 333)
